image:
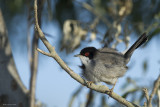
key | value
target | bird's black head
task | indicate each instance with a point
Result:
(89, 52)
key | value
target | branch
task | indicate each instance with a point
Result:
(34, 61)
(12, 90)
(90, 98)
(158, 94)
(33, 68)
(91, 9)
(146, 94)
(74, 96)
(98, 88)
(156, 86)
(44, 53)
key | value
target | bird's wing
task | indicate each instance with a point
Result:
(111, 64)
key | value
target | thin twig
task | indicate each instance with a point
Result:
(90, 98)
(34, 66)
(91, 9)
(98, 88)
(34, 62)
(158, 94)
(44, 53)
(155, 88)
(147, 96)
(145, 104)
(146, 93)
(75, 94)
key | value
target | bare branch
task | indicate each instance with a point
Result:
(90, 98)
(33, 66)
(75, 94)
(158, 93)
(44, 53)
(146, 95)
(91, 9)
(34, 62)
(145, 104)
(156, 86)
(98, 88)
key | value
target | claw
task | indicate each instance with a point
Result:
(111, 90)
(89, 83)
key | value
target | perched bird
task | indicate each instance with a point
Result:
(106, 64)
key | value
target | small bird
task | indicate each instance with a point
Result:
(106, 64)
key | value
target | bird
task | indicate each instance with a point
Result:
(106, 64)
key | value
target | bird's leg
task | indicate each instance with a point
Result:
(111, 90)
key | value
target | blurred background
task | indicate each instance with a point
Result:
(71, 25)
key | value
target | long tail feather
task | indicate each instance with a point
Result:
(142, 39)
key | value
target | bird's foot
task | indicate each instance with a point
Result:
(89, 83)
(111, 91)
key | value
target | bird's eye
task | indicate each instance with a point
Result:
(86, 54)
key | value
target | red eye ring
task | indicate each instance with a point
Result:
(86, 54)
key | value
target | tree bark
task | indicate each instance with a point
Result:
(12, 90)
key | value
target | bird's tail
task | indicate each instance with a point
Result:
(142, 39)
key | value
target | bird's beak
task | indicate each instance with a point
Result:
(77, 55)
